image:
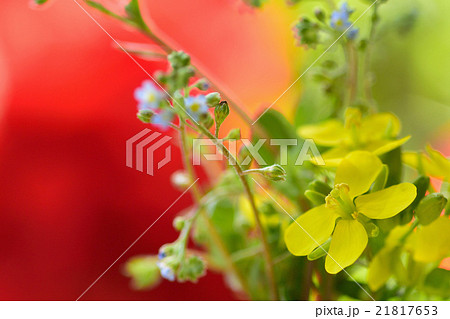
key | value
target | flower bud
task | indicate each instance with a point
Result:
(319, 187)
(320, 251)
(180, 180)
(178, 223)
(221, 111)
(430, 207)
(145, 116)
(274, 173)
(315, 198)
(202, 84)
(213, 99)
(380, 181)
(192, 268)
(179, 59)
(320, 15)
(234, 134)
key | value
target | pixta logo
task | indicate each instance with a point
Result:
(141, 149)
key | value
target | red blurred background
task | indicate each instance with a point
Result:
(69, 206)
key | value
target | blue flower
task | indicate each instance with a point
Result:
(148, 96)
(340, 21)
(196, 106)
(161, 255)
(166, 271)
(163, 119)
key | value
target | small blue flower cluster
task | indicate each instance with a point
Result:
(151, 99)
(340, 21)
(151, 103)
(167, 272)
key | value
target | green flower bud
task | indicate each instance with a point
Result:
(422, 183)
(320, 251)
(430, 207)
(179, 222)
(320, 15)
(161, 77)
(380, 181)
(213, 99)
(319, 187)
(234, 134)
(221, 111)
(315, 198)
(191, 269)
(274, 173)
(179, 59)
(145, 116)
(202, 84)
(307, 32)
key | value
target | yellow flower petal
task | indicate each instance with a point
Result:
(380, 268)
(396, 234)
(439, 161)
(432, 242)
(385, 146)
(310, 230)
(335, 155)
(380, 126)
(328, 133)
(436, 165)
(387, 202)
(358, 169)
(347, 244)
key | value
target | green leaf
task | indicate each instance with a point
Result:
(134, 14)
(104, 10)
(40, 1)
(438, 282)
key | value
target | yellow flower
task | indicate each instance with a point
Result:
(387, 261)
(346, 213)
(431, 243)
(376, 133)
(434, 164)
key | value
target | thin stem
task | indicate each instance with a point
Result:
(197, 195)
(352, 73)
(368, 55)
(239, 172)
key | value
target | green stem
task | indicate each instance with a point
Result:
(352, 76)
(410, 230)
(368, 55)
(197, 195)
(239, 172)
